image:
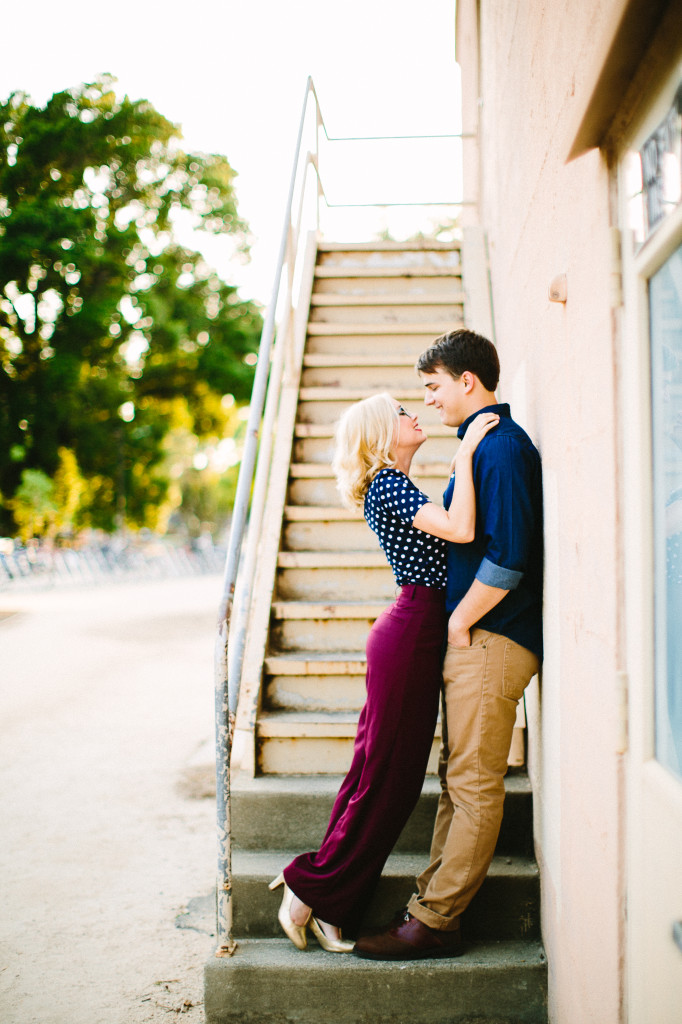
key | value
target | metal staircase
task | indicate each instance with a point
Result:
(374, 308)
(314, 582)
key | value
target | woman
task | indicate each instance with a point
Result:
(375, 443)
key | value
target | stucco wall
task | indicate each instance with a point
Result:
(544, 217)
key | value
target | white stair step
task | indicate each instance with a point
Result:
(325, 610)
(305, 430)
(340, 394)
(314, 470)
(331, 560)
(334, 360)
(389, 246)
(332, 299)
(388, 272)
(423, 330)
(308, 724)
(321, 513)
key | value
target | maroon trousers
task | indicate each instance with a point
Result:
(394, 737)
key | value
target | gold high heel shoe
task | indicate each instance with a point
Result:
(296, 932)
(339, 945)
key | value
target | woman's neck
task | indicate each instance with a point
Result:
(403, 461)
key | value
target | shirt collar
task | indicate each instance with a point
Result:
(502, 410)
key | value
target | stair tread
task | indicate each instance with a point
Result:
(267, 956)
(268, 863)
(312, 787)
(315, 663)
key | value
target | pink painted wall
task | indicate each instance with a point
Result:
(544, 217)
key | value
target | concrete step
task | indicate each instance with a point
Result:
(431, 327)
(390, 298)
(268, 981)
(417, 245)
(343, 583)
(309, 692)
(292, 812)
(312, 742)
(357, 273)
(329, 535)
(378, 377)
(506, 907)
(318, 610)
(320, 470)
(381, 345)
(438, 448)
(320, 488)
(320, 633)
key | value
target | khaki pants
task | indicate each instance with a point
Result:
(482, 685)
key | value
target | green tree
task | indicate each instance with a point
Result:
(33, 504)
(106, 320)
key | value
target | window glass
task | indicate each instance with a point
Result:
(665, 310)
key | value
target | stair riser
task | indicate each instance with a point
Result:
(335, 584)
(390, 315)
(320, 450)
(444, 259)
(313, 755)
(427, 288)
(322, 490)
(506, 907)
(382, 345)
(314, 693)
(388, 377)
(320, 634)
(343, 536)
(315, 988)
(281, 819)
(327, 411)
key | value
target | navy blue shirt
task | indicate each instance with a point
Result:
(391, 503)
(506, 551)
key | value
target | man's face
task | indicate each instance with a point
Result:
(447, 395)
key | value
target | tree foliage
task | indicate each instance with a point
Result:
(110, 328)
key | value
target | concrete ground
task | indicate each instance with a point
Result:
(107, 857)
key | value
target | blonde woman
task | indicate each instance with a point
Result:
(376, 440)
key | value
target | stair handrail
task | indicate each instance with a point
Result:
(267, 381)
(267, 385)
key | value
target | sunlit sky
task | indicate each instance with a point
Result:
(233, 76)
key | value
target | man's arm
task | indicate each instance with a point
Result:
(479, 599)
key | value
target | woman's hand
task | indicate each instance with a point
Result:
(475, 433)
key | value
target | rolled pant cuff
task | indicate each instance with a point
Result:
(430, 918)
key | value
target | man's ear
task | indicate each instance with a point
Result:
(468, 380)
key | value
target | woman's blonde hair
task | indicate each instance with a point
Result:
(365, 443)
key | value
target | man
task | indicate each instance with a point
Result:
(494, 594)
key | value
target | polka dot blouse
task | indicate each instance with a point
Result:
(391, 503)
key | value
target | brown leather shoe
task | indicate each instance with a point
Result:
(409, 940)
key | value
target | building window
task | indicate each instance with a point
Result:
(665, 311)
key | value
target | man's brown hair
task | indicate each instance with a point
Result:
(462, 350)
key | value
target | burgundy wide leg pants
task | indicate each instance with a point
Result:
(394, 737)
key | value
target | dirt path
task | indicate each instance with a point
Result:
(106, 722)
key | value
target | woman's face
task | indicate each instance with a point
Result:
(409, 434)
